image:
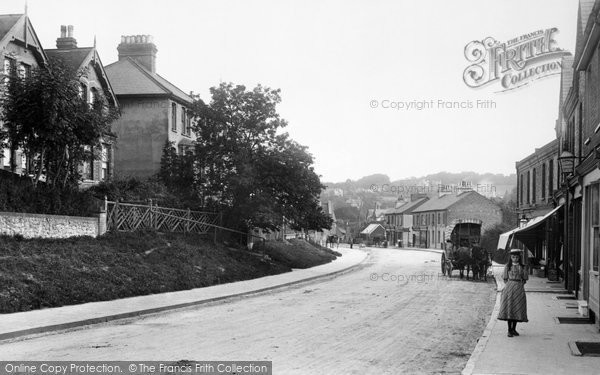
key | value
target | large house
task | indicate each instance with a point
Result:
(399, 223)
(153, 110)
(21, 50)
(435, 219)
(93, 85)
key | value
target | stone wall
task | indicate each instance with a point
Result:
(51, 226)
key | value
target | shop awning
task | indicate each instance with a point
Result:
(535, 223)
(504, 237)
(525, 231)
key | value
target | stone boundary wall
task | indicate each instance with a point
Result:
(51, 226)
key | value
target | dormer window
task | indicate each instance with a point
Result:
(9, 64)
(82, 92)
(93, 96)
(23, 70)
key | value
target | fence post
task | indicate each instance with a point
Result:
(105, 203)
(151, 215)
(187, 223)
(116, 215)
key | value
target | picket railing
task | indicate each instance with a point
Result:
(133, 217)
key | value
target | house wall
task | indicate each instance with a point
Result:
(475, 206)
(51, 226)
(141, 133)
(21, 56)
(176, 133)
(538, 201)
(591, 108)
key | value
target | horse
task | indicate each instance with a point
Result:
(461, 258)
(482, 261)
(331, 240)
(474, 259)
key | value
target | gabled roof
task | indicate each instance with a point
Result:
(442, 203)
(372, 228)
(411, 206)
(17, 28)
(131, 78)
(73, 57)
(408, 207)
(79, 58)
(7, 22)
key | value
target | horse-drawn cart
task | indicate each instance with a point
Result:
(458, 252)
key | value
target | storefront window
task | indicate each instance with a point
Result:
(594, 191)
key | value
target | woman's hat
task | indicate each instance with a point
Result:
(515, 251)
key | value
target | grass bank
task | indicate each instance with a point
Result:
(39, 273)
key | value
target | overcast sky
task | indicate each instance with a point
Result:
(335, 60)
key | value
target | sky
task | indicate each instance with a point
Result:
(341, 67)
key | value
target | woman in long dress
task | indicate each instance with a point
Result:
(513, 302)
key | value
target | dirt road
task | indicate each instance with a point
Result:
(394, 315)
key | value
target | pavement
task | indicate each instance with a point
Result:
(543, 346)
(27, 323)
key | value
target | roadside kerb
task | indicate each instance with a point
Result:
(437, 251)
(136, 313)
(487, 332)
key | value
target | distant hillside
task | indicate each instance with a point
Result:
(499, 181)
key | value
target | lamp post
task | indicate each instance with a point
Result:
(566, 163)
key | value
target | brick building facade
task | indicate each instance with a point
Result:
(153, 110)
(579, 148)
(537, 179)
(434, 220)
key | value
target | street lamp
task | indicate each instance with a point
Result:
(566, 163)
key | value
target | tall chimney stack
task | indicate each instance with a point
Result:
(141, 48)
(66, 40)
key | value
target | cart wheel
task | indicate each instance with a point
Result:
(443, 264)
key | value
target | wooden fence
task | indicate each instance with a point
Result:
(132, 217)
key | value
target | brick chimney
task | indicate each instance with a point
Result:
(66, 40)
(139, 47)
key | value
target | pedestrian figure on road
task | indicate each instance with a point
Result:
(513, 302)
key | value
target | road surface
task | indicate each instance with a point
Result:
(396, 314)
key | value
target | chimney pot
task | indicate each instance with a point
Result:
(66, 40)
(140, 48)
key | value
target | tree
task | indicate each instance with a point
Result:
(251, 170)
(179, 173)
(489, 239)
(45, 115)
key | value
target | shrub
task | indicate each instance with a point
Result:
(18, 194)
